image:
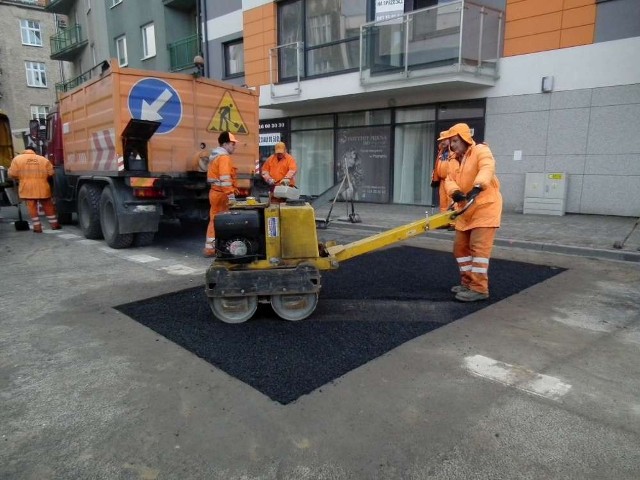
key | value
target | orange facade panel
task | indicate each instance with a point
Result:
(532, 44)
(259, 37)
(572, 37)
(532, 8)
(578, 17)
(537, 26)
(533, 25)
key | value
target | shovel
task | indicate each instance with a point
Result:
(20, 224)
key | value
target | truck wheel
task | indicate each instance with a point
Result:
(143, 239)
(109, 222)
(89, 211)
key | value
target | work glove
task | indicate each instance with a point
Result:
(271, 181)
(473, 193)
(458, 196)
(285, 182)
(232, 199)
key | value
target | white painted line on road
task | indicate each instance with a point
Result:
(86, 241)
(180, 270)
(109, 250)
(69, 236)
(142, 258)
(517, 377)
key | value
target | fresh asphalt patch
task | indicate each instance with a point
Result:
(367, 307)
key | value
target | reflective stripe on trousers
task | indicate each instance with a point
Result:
(472, 249)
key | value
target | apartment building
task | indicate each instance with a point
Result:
(552, 86)
(27, 73)
(144, 34)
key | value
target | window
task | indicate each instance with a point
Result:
(31, 33)
(113, 3)
(36, 74)
(39, 112)
(121, 51)
(234, 58)
(329, 31)
(148, 41)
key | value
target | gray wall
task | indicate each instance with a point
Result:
(214, 54)
(617, 19)
(589, 134)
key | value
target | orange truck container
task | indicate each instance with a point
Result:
(123, 147)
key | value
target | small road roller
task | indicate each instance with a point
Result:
(269, 253)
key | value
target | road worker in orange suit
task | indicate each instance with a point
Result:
(439, 174)
(33, 171)
(472, 175)
(221, 176)
(279, 169)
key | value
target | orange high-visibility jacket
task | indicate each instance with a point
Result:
(280, 169)
(32, 172)
(477, 167)
(442, 166)
(221, 174)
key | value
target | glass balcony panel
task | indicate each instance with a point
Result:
(434, 37)
(333, 58)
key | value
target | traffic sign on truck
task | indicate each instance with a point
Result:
(123, 147)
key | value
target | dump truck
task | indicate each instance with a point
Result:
(123, 146)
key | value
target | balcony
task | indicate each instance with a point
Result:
(62, 87)
(184, 5)
(454, 38)
(181, 53)
(66, 44)
(59, 6)
(455, 45)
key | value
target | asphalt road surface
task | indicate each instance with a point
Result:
(542, 383)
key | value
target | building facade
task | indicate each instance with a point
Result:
(27, 73)
(368, 84)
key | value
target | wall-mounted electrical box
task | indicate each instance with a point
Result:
(545, 193)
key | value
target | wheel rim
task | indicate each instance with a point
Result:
(234, 309)
(294, 307)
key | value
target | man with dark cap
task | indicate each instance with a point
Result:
(473, 170)
(221, 176)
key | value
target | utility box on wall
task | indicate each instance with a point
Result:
(545, 193)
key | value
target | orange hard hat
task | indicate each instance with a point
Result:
(444, 135)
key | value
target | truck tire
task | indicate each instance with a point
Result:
(89, 211)
(109, 221)
(143, 239)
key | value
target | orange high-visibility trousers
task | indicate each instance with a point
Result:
(472, 250)
(49, 211)
(219, 202)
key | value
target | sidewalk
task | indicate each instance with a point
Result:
(573, 234)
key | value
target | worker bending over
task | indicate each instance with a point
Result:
(33, 171)
(279, 169)
(473, 171)
(221, 176)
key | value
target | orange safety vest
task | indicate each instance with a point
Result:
(278, 170)
(477, 167)
(32, 172)
(222, 174)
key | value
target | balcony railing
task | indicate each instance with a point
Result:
(66, 44)
(62, 87)
(451, 38)
(181, 53)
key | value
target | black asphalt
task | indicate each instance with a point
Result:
(367, 307)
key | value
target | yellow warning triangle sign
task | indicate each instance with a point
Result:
(227, 118)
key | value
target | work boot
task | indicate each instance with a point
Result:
(209, 252)
(459, 288)
(37, 229)
(471, 296)
(56, 226)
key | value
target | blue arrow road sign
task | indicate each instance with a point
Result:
(156, 100)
